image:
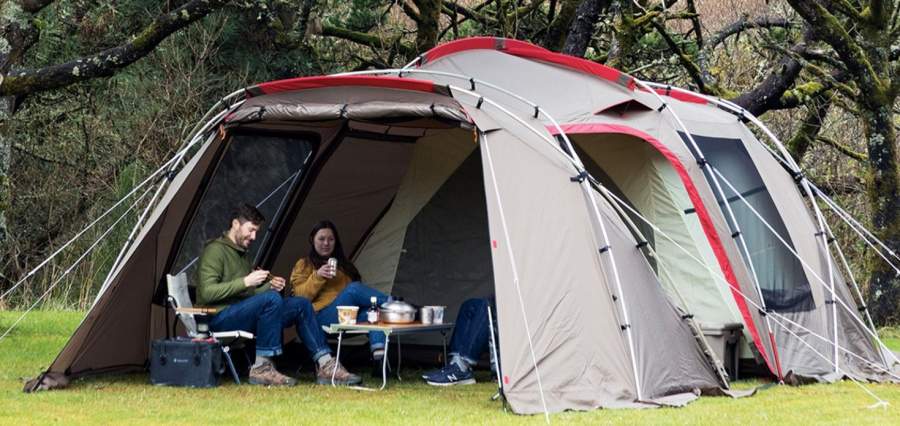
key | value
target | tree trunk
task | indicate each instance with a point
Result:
(555, 38)
(582, 28)
(428, 27)
(884, 199)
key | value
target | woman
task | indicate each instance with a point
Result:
(327, 288)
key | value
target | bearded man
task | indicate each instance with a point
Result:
(248, 299)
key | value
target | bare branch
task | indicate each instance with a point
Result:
(745, 24)
(366, 39)
(810, 127)
(843, 149)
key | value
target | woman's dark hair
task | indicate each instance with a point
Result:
(344, 264)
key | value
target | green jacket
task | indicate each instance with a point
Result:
(223, 266)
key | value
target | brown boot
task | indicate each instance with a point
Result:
(341, 376)
(266, 374)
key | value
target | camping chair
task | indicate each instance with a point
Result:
(180, 301)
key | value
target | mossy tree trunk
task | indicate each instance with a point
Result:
(862, 35)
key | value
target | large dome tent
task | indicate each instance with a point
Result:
(406, 166)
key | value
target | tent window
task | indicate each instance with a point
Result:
(781, 276)
(255, 169)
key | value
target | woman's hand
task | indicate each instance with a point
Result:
(326, 272)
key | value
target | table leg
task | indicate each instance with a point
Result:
(399, 358)
(337, 356)
(387, 341)
(444, 345)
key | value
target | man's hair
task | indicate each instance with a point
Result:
(247, 213)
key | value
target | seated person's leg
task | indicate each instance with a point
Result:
(299, 312)
(259, 314)
(356, 294)
(470, 339)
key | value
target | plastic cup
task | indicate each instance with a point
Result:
(347, 314)
(438, 314)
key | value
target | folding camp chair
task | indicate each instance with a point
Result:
(180, 301)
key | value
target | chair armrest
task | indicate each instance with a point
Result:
(197, 311)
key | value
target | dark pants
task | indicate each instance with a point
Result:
(266, 315)
(472, 332)
(355, 294)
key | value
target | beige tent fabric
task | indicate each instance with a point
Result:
(105, 339)
(557, 90)
(434, 159)
(561, 291)
(651, 185)
(354, 186)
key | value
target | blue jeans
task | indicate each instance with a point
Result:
(266, 315)
(355, 294)
(472, 333)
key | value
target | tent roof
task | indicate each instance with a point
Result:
(301, 83)
(530, 51)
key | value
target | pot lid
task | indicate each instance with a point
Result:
(398, 305)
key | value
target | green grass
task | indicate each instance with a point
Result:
(130, 399)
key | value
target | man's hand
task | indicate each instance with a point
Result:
(256, 278)
(277, 283)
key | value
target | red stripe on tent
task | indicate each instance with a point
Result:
(702, 214)
(301, 83)
(530, 51)
(677, 94)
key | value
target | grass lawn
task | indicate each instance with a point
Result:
(130, 399)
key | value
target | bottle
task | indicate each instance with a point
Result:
(372, 314)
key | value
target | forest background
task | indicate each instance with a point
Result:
(96, 94)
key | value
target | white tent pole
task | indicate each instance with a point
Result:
(737, 229)
(74, 264)
(607, 248)
(880, 402)
(512, 260)
(609, 194)
(579, 168)
(92, 224)
(172, 165)
(862, 301)
(803, 262)
(788, 161)
(723, 376)
(860, 230)
(808, 187)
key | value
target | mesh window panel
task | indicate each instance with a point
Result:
(259, 170)
(780, 275)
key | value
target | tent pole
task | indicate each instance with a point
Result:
(737, 229)
(494, 352)
(139, 223)
(172, 165)
(683, 303)
(512, 259)
(624, 205)
(808, 188)
(607, 248)
(795, 254)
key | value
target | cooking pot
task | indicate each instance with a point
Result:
(398, 312)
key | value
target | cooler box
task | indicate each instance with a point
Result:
(724, 340)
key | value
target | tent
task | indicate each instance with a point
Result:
(440, 194)
(740, 244)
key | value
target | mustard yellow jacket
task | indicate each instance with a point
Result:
(320, 291)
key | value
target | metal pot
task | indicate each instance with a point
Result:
(398, 312)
